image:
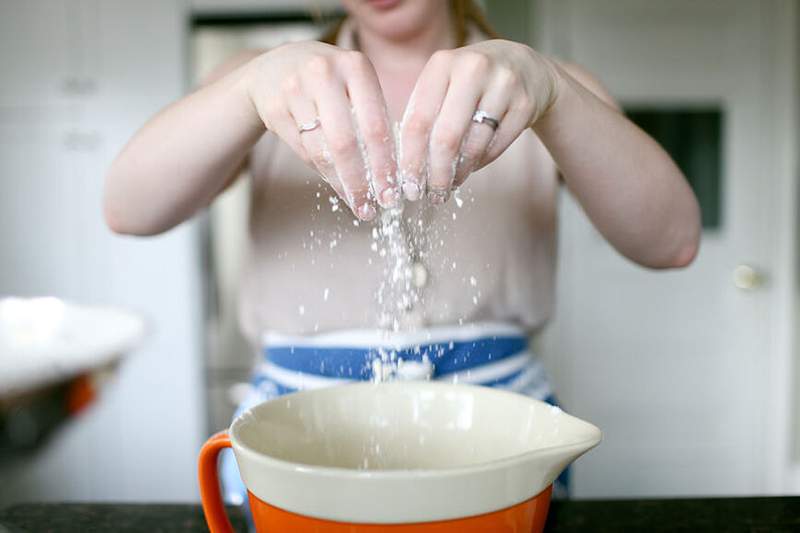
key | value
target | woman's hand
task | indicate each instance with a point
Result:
(334, 96)
(442, 139)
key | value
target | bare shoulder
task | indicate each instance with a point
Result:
(590, 81)
(232, 63)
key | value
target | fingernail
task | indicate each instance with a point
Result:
(438, 196)
(366, 212)
(411, 190)
(389, 197)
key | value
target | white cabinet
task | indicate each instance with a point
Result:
(47, 57)
(39, 229)
(36, 58)
(78, 78)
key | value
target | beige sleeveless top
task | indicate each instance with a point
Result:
(311, 269)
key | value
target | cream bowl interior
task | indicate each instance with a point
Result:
(405, 427)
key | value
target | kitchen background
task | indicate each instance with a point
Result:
(691, 374)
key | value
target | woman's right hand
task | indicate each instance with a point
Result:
(301, 83)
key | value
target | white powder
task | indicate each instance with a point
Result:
(404, 239)
(457, 198)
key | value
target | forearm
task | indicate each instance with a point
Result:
(181, 159)
(629, 187)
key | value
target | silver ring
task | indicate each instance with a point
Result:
(308, 126)
(481, 117)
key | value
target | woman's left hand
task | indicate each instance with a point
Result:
(449, 127)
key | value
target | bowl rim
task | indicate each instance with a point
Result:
(343, 473)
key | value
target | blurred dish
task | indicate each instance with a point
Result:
(53, 358)
(44, 341)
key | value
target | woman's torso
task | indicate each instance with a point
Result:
(490, 256)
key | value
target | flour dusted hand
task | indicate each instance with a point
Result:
(443, 139)
(326, 103)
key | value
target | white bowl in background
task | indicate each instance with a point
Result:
(47, 340)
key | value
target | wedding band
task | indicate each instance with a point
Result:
(481, 117)
(308, 126)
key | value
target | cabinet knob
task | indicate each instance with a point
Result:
(78, 86)
(82, 141)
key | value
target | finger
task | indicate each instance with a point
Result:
(285, 127)
(447, 135)
(473, 149)
(337, 126)
(516, 120)
(421, 111)
(304, 111)
(282, 124)
(372, 127)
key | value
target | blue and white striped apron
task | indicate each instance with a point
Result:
(488, 354)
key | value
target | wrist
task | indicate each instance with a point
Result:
(562, 92)
(248, 85)
(555, 87)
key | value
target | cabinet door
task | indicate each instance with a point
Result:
(54, 153)
(39, 40)
(40, 234)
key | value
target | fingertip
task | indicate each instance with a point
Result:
(389, 198)
(412, 190)
(460, 176)
(366, 212)
(458, 182)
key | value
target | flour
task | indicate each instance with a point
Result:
(408, 244)
(409, 241)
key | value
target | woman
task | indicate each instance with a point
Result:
(460, 285)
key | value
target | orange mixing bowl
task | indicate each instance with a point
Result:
(418, 457)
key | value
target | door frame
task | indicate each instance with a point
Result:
(782, 425)
(781, 86)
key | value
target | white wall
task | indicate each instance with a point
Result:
(140, 441)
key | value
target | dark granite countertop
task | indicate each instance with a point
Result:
(718, 515)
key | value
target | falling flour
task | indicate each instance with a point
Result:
(408, 244)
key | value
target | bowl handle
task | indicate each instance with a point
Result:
(213, 508)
